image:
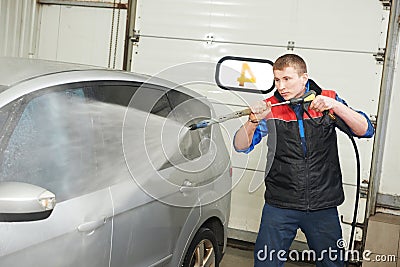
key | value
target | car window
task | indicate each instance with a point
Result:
(52, 145)
(149, 125)
(151, 100)
(68, 140)
(109, 103)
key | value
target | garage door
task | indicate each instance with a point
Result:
(340, 40)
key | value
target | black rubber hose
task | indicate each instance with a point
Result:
(344, 128)
(341, 125)
(354, 222)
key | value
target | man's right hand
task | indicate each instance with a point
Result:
(259, 110)
(244, 135)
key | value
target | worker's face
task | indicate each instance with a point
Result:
(289, 83)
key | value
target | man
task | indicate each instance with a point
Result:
(303, 178)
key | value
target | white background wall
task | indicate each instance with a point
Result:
(336, 38)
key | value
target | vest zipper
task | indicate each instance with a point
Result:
(305, 156)
(307, 174)
(307, 184)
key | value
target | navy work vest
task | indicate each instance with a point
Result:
(298, 178)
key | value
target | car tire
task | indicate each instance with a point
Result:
(203, 251)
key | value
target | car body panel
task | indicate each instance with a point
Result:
(57, 241)
(119, 212)
(132, 244)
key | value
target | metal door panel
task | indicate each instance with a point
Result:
(56, 241)
(391, 166)
(232, 21)
(80, 35)
(339, 25)
(48, 41)
(336, 25)
(145, 229)
(255, 22)
(338, 42)
(17, 20)
(244, 218)
(175, 18)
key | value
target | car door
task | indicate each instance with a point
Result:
(48, 140)
(145, 229)
(208, 162)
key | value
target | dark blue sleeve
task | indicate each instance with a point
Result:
(370, 131)
(259, 133)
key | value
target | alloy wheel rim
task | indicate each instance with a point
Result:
(203, 255)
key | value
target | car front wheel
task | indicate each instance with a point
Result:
(203, 250)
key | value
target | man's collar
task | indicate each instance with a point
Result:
(281, 99)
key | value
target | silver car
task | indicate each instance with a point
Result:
(98, 168)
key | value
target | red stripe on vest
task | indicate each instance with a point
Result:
(285, 113)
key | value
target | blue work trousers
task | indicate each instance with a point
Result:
(279, 226)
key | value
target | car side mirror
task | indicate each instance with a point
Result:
(24, 202)
(250, 75)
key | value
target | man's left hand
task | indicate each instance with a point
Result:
(322, 103)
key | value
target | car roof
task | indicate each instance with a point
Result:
(15, 70)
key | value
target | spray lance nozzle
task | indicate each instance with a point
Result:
(206, 123)
(305, 99)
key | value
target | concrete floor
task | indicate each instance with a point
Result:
(236, 257)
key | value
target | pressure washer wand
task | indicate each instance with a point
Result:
(307, 97)
(234, 115)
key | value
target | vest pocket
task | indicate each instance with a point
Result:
(285, 182)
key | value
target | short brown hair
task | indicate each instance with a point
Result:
(291, 60)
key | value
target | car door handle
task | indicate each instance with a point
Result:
(186, 187)
(92, 225)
